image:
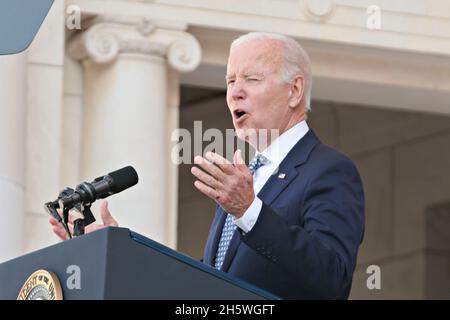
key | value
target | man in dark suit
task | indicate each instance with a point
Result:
(291, 222)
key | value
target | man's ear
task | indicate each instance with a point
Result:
(296, 91)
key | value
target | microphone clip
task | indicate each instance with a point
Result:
(84, 216)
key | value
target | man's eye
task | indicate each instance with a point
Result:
(253, 79)
(230, 82)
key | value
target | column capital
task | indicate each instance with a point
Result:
(107, 36)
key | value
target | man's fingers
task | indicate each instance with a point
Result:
(73, 215)
(108, 221)
(205, 178)
(53, 221)
(207, 190)
(94, 227)
(60, 232)
(212, 169)
(239, 161)
(225, 165)
(106, 216)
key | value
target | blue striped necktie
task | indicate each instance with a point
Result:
(229, 227)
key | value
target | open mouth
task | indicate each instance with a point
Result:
(238, 113)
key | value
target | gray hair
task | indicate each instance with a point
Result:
(295, 59)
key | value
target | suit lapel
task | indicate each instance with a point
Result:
(270, 191)
(214, 236)
(231, 251)
(273, 187)
(213, 241)
(287, 170)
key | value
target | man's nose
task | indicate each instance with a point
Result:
(238, 91)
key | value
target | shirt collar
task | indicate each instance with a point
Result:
(280, 147)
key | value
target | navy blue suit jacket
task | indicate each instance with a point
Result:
(305, 242)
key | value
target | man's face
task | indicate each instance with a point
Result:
(256, 96)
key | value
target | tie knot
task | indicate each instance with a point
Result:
(257, 162)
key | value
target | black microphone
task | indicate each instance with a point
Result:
(102, 187)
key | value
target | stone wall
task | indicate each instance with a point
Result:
(45, 72)
(403, 159)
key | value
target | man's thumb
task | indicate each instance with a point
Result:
(106, 216)
(238, 161)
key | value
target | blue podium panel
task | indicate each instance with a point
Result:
(115, 263)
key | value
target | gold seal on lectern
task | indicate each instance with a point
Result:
(41, 285)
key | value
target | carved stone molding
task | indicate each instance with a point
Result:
(107, 36)
(318, 10)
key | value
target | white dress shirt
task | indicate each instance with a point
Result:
(275, 153)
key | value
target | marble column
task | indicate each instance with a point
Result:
(13, 82)
(130, 107)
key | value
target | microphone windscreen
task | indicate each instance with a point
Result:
(124, 178)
